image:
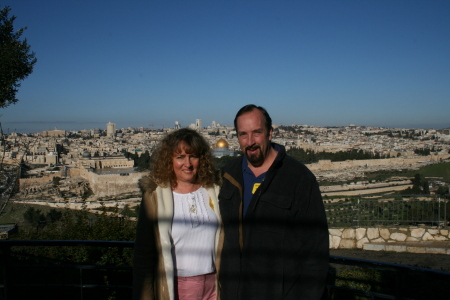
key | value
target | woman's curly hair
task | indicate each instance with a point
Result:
(161, 166)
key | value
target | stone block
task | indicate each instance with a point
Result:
(416, 249)
(373, 233)
(436, 250)
(379, 240)
(335, 231)
(374, 247)
(403, 229)
(385, 233)
(412, 239)
(396, 248)
(347, 244)
(335, 242)
(440, 238)
(360, 243)
(398, 236)
(427, 237)
(417, 232)
(444, 232)
(348, 233)
(433, 231)
(360, 233)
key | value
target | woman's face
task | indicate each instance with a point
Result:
(185, 165)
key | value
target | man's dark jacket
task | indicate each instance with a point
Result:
(280, 249)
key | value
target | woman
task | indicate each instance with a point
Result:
(178, 229)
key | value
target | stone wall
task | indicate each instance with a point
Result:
(74, 172)
(339, 165)
(355, 238)
(26, 183)
(363, 186)
(108, 162)
(107, 185)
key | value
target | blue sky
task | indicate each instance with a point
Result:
(328, 63)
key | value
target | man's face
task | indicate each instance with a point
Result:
(253, 137)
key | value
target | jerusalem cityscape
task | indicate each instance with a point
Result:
(95, 159)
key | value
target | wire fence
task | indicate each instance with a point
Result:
(373, 210)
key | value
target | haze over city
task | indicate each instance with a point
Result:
(325, 63)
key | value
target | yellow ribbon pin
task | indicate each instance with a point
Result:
(255, 187)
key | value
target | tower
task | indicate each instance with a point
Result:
(198, 124)
(110, 129)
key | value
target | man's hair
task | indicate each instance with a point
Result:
(251, 107)
(161, 167)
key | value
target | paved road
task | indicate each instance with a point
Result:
(440, 262)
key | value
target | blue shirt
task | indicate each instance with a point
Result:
(251, 184)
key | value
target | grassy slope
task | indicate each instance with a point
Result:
(436, 170)
(13, 212)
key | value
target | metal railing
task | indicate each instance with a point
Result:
(29, 274)
(49, 279)
(372, 210)
(379, 280)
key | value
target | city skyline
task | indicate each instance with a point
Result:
(371, 63)
(194, 125)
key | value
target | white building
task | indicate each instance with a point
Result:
(110, 129)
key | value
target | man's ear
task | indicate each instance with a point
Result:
(270, 134)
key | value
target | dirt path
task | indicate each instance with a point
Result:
(440, 262)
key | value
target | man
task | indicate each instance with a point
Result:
(275, 230)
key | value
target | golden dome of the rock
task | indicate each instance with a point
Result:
(222, 144)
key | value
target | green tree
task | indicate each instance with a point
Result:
(143, 162)
(53, 215)
(442, 190)
(420, 186)
(87, 193)
(56, 181)
(16, 60)
(34, 216)
(127, 211)
(417, 179)
(426, 187)
(136, 209)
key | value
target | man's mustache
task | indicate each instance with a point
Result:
(252, 148)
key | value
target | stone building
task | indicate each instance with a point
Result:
(54, 133)
(198, 124)
(110, 129)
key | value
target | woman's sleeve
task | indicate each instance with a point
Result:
(145, 251)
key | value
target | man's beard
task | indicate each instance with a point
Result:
(256, 159)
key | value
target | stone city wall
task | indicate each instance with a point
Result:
(323, 165)
(25, 183)
(363, 186)
(106, 185)
(355, 238)
(74, 172)
(102, 163)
